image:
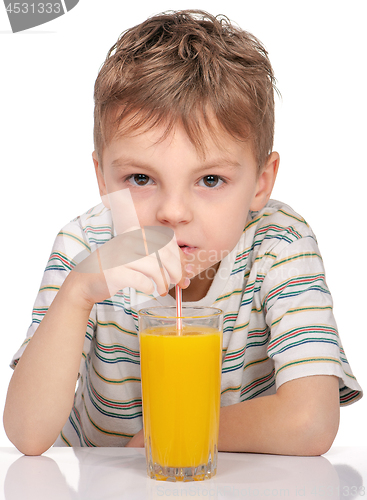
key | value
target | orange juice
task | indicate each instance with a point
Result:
(181, 394)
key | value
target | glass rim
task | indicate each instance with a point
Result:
(144, 312)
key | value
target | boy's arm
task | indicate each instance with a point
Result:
(41, 390)
(302, 418)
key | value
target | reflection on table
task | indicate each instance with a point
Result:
(115, 473)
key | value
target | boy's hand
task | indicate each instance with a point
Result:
(136, 258)
(137, 441)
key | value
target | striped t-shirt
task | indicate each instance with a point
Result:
(278, 323)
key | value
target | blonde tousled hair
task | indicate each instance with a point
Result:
(186, 67)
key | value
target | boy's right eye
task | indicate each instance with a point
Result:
(138, 179)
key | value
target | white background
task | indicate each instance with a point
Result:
(318, 51)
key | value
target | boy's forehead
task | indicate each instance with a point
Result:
(213, 135)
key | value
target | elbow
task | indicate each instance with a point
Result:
(28, 446)
(319, 444)
(26, 443)
(317, 432)
(31, 448)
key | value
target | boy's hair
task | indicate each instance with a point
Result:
(184, 68)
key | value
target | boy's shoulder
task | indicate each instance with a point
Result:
(81, 236)
(94, 226)
(275, 227)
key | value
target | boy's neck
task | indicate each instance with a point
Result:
(199, 285)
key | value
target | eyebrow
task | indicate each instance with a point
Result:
(215, 163)
(128, 162)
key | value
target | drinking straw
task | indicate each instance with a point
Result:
(179, 310)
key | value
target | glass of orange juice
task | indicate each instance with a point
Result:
(180, 375)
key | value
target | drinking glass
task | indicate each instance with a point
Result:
(180, 361)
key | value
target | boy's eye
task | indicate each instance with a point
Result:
(211, 180)
(139, 179)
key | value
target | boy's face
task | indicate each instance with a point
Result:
(204, 200)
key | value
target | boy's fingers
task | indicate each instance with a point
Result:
(186, 269)
(157, 237)
(151, 251)
(121, 277)
(128, 247)
(170, 257)
(153, 269)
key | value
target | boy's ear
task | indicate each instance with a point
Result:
(100, 180)
(265, 182)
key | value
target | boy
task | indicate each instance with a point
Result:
(184, 119)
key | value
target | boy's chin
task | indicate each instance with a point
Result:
(203, 273)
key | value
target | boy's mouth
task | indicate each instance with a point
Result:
(186, 248)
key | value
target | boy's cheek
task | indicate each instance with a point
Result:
(123, 211)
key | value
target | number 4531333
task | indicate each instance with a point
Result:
(34, 8)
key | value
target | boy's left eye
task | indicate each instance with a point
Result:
(211, 181)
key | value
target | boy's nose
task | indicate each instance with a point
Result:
(174, 209)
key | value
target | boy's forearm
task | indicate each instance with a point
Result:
(297, 420)
(41, 391)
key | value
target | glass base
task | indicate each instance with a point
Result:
(198, 473)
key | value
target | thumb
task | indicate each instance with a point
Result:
(187, 272)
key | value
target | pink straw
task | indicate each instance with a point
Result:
(179, 309)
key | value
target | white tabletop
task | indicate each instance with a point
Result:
(117, 473)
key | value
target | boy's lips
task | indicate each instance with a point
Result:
(187, 249)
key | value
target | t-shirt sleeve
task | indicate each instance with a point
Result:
(298, 306)
(69, 243)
